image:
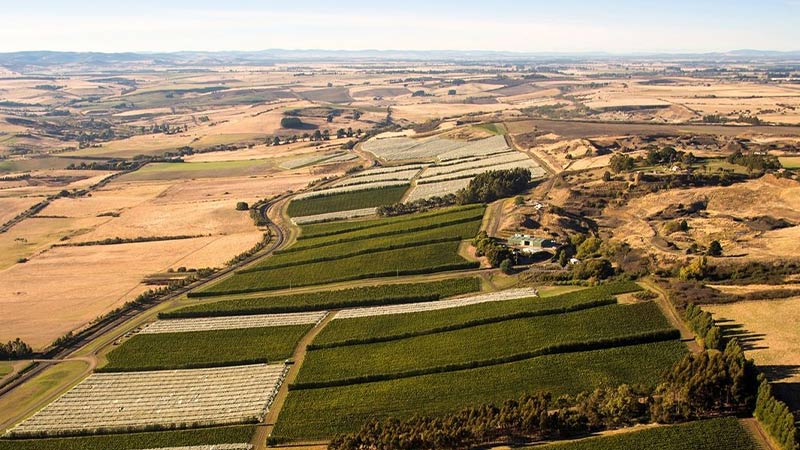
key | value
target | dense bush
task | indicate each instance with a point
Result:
(490, 186)
(776, 417)
(16, 349)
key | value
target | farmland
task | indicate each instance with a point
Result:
(422, 259)
(362, 296)
(498, 340)
(125, 401)
(725, 434)
(134, 441)
(349, 198)
(320, 413)
(384, 326)
(159, 351)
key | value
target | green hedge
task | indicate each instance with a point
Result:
(776, 417)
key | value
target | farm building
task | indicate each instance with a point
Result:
(529, 244)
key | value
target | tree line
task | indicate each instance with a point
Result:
(16, 349)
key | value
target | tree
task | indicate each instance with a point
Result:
(621, 163)
(507, 267)
(276, 140)
(715, 249)
(292, 122)
(451, 92)
(242, 206)
(607, 176)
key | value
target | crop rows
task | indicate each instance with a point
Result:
(483, 147)
(306, 160)
(497, 341)
(143, 400)
(341, 298)
(390, 227)
(210, 447)
(399, 149)
(197, 349)
(526, 163)
(337, 215)
(510, 294)
(336, 251)
(343, 189)
(405, 261)
(405, 175)
(725, 433)
(321, 413)
(329, 229)
(233, 322)
(132, 441)
(348, 198)
(502, 158)
(440, 189)
(387, 169)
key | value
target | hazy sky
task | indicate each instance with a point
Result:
(512, 25)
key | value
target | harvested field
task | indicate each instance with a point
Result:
(369, 295)
(727, 434)
(510, 294)
(348, 198)
(134, 441)
(233, 322)
(130, 401)
(321, 413)
(182, 350)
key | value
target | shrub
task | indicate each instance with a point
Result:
(242, 206)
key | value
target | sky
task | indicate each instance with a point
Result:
(623, 26)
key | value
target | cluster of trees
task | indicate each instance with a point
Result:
(703, 325)
(668, 155)
(164, 128)
(706, 384)
(776, 417)
(755, 163)
(495, 252)
(702, 385)
(424, 204)
(113, 164)
(490, 186)
(16, 349)
(529, 416)
(621, 162)
(592, 254)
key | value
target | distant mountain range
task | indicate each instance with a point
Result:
(31, 59)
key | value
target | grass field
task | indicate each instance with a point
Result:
(455, 232)
(181, 438)
(388, 227)
(727, 434)
(321, 413)
(5, 369)
(420, 322)
(217, 169)
(205, 348)
(790, 162)
(347, 201)
(422, 259)
(342, 298)
(496, 340)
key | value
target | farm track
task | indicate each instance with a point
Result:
(265, 430)
(761, 438)
(669, 311)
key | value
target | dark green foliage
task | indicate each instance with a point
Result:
(490, 186)
(530, 416)
(491, 248)
(507, 266)
(727, 434)
(205, 348)
(621, 163)
(706, 385)
(131, 441)
(776, 417)
(715, 249)
(755, 163)
(16, 349)
(321, 413)
(388, 294)
(242, 206)
(598, 269)
(294, 122)
(702, 323)
(345, 201)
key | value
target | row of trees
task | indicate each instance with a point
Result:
(702, 385)
(776, 417)
(704, 326)
(423, 204)
(16, 349)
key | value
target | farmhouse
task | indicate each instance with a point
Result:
(529, 244)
